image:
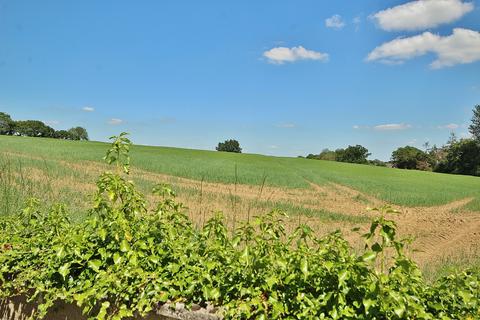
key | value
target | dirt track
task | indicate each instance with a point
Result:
(442, 233)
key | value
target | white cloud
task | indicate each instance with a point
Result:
(280, 55)
(450, 126)
(115, 121)
(422, 14)
(335, 22)
(462, 46)
(273, 147)
(392, 127)
(88, 109)
(357, 127)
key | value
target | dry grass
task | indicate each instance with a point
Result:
(442, 234)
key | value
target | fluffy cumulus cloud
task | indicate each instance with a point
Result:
(462, 46)
(115, 121)
(421, 14)
(88, 109)
(392, 127)
(280, 55)
(335, 22)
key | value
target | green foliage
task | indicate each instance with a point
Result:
(377, 163)
(33, 128)
(126, 258)
(326, 154)
(78, 133)
(352, 154)
(410, 158)
(463, 157)
(63, 134)
(119, 153)
(6, 124)
(229, 146)
(475, 125)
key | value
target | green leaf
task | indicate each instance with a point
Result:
(369, 256)
(304, 267)
(64, 270)
(102, 234)
(103, 310)
(95, 265)
(399, 310)
(117, 258)
(368, 303)
(124, 246)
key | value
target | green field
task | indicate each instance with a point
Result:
(127, 254)
(401, 187)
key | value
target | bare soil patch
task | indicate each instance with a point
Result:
(439, 233)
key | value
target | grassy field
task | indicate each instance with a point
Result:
(401, 187)
(440, 211)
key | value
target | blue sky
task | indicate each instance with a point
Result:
(283, 77)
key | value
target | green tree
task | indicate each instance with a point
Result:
(377, 163)
(6, 124)
(229, 146)
(352, 154)
(34, 128)
(475, 125)
(63, 134)
(78, 133)
(463, 157)
(327, 154)
(410, 158)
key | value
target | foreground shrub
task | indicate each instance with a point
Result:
(125, 259)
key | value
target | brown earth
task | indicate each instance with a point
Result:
(441, 233)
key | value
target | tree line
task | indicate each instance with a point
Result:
(351, 154)
(36, 128)
(457, 156)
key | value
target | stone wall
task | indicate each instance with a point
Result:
(17, 308)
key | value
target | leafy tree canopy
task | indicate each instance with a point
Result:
(410, 158)
(353, 154)
(463, 157)
(229, 146)
(475, 125)
(34, 128)
(78, 133)
(6, 124)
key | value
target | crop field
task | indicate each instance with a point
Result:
(441, 212)
(117, 240)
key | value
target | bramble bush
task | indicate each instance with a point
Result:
(125, 259)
